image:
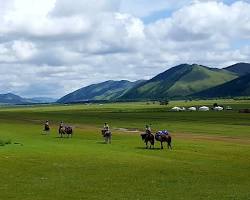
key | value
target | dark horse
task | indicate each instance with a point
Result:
(164, 138)
(66, 130)
(148, 137)
(46, 127)
(107, 135)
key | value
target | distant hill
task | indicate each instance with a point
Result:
(41, 100)
(10, 98)
(239, 68)
(234, 88)
(179, 81)
(108, 90)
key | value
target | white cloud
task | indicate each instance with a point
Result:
(51, 47)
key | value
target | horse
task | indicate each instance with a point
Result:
(66, 130)
(107, 135)
(164, 138)
(46, 127)
(148, 137)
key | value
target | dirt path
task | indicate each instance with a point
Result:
(200, 137)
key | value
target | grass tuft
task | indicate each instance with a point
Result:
(5, 142)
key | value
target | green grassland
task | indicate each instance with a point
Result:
(210, 159)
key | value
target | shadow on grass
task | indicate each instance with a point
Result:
(101, 143)
(59, 137)
(152, 149)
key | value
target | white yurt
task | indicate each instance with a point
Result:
(192, 109)
(176, 109)
(218, 108)
(204, 108)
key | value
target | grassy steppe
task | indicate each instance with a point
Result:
(210, 159)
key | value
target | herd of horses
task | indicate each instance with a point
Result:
(148, 138)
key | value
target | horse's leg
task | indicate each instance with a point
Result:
(161, 145)
(169, 146)
(146, 144)
(169, 142)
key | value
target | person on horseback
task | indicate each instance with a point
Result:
(60, 126)
(106, 133)
(148, 130)
(46, 126)
(106, 127)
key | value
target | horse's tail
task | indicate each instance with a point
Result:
(169, 140)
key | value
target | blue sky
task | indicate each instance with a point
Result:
(77, 43)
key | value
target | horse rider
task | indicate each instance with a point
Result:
(106, 127)
(61, 126)
(46, 125)
(148, 130)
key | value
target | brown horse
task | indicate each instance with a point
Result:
(148, 137)
(107, 135)
(66, 130)
(164, 138)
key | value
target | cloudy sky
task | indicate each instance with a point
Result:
(52, 47)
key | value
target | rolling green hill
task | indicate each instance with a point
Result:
(239, 68)
(234, 88)
(180, 81)
(102, 91)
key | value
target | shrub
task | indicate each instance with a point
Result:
(4, 142)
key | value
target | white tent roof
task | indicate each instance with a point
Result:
(218, 108)
(204, 108)
(176, 108)
(192, 109)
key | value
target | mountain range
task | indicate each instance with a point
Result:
(235, 88)
(108, 90)
(10, 98)
(239, 68)
(179, 82)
